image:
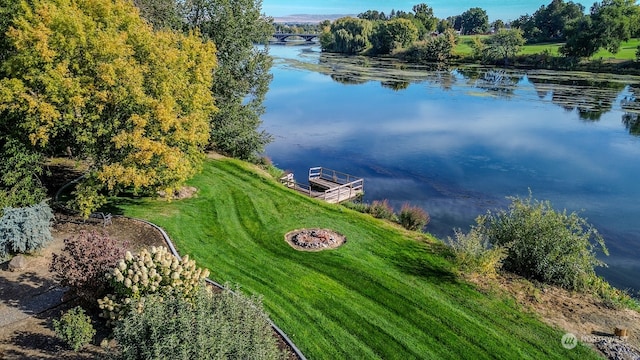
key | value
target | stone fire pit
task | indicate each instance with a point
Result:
(314, 239)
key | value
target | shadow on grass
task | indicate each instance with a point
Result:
(426, 261)
(116, 205)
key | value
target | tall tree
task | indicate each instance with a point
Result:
(504, 44)
(616, 21)
(161, 14)
(424, 13)
(444, 25)
(347, 35)
(372, 15)
(609, 23)
(475, 21)
(242, 77)
(92, 76)
(389, 35)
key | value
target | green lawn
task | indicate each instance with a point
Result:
(627, 49)
(381, 295)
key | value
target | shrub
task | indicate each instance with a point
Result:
(359, 207)
(475, 254)
(209, 326)
(382, 210)
(74, 328)
(612, 297)
(437, 49)
(147, 273)
(413, 217)
(543, 244)
(25, 229)
(85, 261)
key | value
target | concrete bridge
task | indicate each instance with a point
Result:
(281, 37)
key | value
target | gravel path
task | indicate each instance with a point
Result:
(14, 310)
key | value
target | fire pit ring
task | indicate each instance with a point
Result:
(314, 239)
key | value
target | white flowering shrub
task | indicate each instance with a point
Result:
(149, 272)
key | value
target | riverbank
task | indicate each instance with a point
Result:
(384, 293)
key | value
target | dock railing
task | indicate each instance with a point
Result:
(344, 192)
(329, 185)
(331, 175)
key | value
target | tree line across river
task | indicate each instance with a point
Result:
(420, 36)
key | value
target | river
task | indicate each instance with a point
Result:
(457, 142)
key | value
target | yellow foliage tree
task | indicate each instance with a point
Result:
(93, 77)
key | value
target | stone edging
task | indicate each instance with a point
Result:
(175, 253)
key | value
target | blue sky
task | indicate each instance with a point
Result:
(496, 9)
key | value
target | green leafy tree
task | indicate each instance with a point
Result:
(609, 23)
(474, 21)
(504, 45)
(436, 49)
(242, 77)
(424, 13)
(389, 35)
(616, 21)
(347, 35)
(93, 77)
(161, 14)
(372, 15)
(583, 39)
(444, 25)
(497, 25)
(551, 20)
(381, 39)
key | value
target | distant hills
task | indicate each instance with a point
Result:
(307, 18)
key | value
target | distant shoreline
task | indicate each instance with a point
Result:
(307, 18)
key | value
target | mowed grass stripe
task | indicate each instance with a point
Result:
(383, 294)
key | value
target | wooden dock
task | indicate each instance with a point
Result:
(328, 185)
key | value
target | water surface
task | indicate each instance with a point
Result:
(457, 142)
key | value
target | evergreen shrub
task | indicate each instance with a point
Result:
(26, 229)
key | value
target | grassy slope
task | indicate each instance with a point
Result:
(381, 295)
(627, 49)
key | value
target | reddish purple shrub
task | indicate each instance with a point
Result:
(84, 263)
(382, 210)
(413, 217)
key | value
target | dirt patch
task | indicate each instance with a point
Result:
(184, 192)
(314, 239)
(584, 315)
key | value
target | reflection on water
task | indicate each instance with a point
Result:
(631, 106)
(459, 141)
